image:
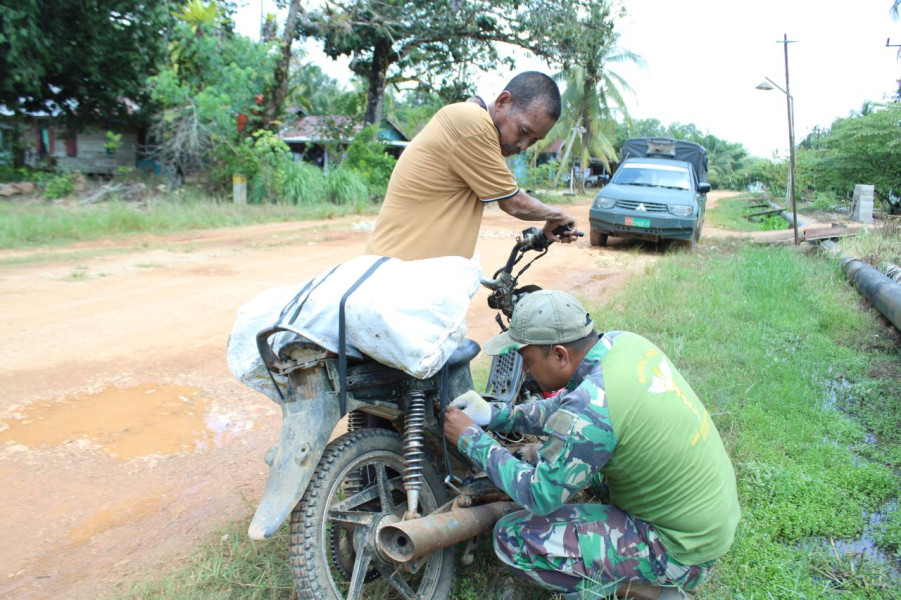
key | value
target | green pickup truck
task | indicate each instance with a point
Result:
(658, 192)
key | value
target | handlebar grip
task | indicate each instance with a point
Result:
(564, 228)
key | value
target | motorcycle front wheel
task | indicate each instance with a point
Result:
(358, 485)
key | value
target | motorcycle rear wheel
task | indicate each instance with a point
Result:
(327, 538)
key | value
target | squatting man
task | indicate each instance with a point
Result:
(625, 425)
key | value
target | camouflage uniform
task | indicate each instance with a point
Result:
(594, 548)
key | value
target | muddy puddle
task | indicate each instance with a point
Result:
(853, 552)
(866, 547)
(126, 422)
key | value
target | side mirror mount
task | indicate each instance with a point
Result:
(703, 187)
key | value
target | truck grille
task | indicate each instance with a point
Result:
(648, 206)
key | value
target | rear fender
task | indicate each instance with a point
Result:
(307, 425)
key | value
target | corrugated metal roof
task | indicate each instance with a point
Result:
(340, 128)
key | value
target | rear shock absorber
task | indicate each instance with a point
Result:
(354, 483)
(414, 451)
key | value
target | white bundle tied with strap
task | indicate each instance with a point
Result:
(409, 315)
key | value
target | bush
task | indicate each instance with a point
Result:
(367, 156)
(60, 185)
(541, 176)
(347, 186)
(288, 182)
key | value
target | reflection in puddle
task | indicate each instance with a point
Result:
(127, 423)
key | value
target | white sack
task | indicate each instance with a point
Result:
(410, 315)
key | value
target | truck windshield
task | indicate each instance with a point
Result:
(653, 175)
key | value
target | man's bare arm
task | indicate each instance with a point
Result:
(525, 207)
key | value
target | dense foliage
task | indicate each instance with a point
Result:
(593, 99)
(84, 60)
(438, 44)
(862, 148)
(209, 90)
(210, 94)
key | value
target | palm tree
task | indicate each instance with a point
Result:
(593, 95)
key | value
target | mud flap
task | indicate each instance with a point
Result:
(307, 425)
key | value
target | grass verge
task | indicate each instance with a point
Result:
(731, 213)
(878, 244)
(50, 224)
(774, 342)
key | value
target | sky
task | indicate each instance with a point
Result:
(704, 59)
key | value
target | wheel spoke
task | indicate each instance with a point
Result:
(369, 494)
(400, 584)
(354, 517)
(385, 485)
(359, 575)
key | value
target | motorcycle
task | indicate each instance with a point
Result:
(384, 505)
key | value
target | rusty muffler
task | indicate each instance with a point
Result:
(409, 540)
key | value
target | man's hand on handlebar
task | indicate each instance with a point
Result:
(561, 230)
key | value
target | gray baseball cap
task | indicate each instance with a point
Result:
(544, 317)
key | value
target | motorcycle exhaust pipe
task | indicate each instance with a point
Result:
(406, 541)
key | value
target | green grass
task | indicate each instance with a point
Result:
(45, 224)
(794, 369)
(764, 335)
(877, 244)
(730, 213)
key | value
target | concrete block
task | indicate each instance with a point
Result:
(862, 203)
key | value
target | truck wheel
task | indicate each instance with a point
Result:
(332, 548)
(596, 238)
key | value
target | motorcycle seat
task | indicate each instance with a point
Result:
(465, 352)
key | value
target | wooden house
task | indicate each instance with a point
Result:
(319, 139)
(43, 140)
(89, 151)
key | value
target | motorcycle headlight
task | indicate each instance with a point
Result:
(600, 202)
(680, 210)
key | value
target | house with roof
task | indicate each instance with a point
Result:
(45, 141)
(320, 139)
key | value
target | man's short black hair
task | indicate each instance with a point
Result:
(533, 86)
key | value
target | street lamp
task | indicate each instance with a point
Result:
(769, 84)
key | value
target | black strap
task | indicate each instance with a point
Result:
(443, 392)
(342, 335)
(308, 286)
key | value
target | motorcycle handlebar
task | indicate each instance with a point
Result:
(532, 238)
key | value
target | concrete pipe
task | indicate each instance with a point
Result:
(881, 291)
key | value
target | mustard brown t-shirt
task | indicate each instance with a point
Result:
(433, 206)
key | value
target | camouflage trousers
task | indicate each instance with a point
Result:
(590, 550)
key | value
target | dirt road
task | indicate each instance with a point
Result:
(124, 438)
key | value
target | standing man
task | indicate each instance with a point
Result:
(455, 165)
(625, 423)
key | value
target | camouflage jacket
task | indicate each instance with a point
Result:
(580, 439)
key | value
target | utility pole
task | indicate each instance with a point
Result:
(791, 136)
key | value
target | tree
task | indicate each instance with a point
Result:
(210, 94)
(859, 149)
(83, 60)
(275, 100)
(314, 91)
(593, 93)
(435, 43)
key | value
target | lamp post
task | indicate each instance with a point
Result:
(769, 84)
